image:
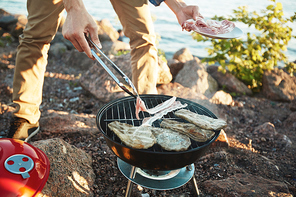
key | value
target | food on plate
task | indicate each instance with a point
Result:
(135, 137)
(194, 132)
(171, 140)
(211, 27)
(202, 121)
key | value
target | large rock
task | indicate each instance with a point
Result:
(228, 81)
(177, 90)
(113, 47)
(57, 50)
(79, 61)
(98, 82)
(277, 85)
(221, 97)
(183, 55)
(164, 74)
(194, 76)
(106, 31)
(64, 122)
(175, 66)
(102, 86)
(71, 172)
(292, 105)
(59, 38)
(6, 19)
(17, 29)
(266, 133)
(290, 122)
(246, 185)
(221, 141)
(13, 24)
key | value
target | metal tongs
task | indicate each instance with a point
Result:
(94, 50)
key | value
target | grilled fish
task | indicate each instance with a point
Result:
(201, 121)
(171, 140)
(136, 137)
(194, 132)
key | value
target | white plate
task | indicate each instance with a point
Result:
(235, 33)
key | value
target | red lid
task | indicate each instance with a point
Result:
(24, 169)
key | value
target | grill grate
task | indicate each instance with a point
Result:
(123, 110)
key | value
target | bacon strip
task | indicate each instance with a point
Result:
(140, 106)
(174, 106)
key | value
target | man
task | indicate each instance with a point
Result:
(43, 21)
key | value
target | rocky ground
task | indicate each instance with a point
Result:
(254, 162)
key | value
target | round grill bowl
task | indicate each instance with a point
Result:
(154, 158)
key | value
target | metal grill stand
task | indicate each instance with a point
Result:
(158, 180)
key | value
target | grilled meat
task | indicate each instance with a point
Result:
(194, 132)
(171, 140)
(135, 137)
(201, 121)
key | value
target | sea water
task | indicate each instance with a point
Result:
(172, 38)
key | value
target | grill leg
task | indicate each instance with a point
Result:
(129, 186)
(194, 185)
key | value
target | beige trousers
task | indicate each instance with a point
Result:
(43, 21)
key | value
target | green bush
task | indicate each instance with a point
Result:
(248, 59)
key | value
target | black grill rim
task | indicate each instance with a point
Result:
(152, 96)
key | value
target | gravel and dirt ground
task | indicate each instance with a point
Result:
(247, 153)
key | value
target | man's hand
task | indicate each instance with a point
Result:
(79, 23)
(188, 12)
(182, 11)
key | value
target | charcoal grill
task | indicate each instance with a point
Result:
(154, 158)
(136, 164)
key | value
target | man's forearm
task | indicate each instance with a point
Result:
(73, 4)
(175, 5)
